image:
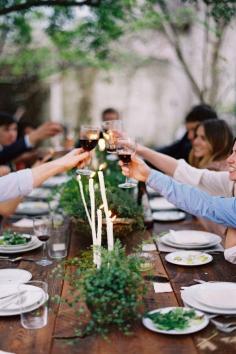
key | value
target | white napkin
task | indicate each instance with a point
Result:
(2, 352)
(162, 287)
(185, 239)
(148, 247)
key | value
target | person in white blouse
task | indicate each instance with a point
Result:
(16, 185)
(213, 182)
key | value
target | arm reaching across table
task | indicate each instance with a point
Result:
(218, 209)
(21, 183)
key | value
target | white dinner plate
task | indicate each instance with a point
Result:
(36, 244)
(190, 237)
(213, 239)
(188, 258)
(56, 181)
(160, 203)
(221, 295)
(9, 275)
(20, 246)
(151, 191)
(32, 302)
(188, 297)
(32, 208)
(171, 215)
(194, 327)
(39, 193)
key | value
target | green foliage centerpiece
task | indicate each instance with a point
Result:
(112, 293)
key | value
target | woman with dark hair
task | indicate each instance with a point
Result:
(216, 183)
(212, 145)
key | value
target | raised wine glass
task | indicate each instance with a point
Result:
(88, 139)
(126, 148)
(42, 230)
(111, 132)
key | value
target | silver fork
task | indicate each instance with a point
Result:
(224, 327)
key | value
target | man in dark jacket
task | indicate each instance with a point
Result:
(10, 148)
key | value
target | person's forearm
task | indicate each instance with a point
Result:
(196, 202)
(8, 208)
(16, 184)
(162, 162)
(43, 172)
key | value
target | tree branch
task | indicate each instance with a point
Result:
(50, 3)
(214, 65)
(173, 38)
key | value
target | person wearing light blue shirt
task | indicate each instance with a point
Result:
(217, 209)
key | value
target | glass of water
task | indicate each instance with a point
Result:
(58, 242)
(33, 299)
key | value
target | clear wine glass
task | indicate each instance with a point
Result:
(126, 148)
(88, 140)
(112, 132)
(42, 230)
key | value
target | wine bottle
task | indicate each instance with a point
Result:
(144, 201)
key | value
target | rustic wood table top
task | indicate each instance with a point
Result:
(57, 336)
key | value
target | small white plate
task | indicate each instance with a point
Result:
(195, 327)
(188, 258)
(171, 215)
(36, 244)
(15, 276)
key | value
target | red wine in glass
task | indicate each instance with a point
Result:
(89, 136)
(125, 150)
(88, 144)
(43, 238)
(124, 157)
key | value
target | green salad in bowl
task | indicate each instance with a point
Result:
(11, 238)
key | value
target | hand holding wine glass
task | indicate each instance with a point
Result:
(111, 133)
(89, 136)
(126, 148)
(136, 169)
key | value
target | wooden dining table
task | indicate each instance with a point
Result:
(58, 337)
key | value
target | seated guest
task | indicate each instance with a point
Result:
(217, 209)
(180, 149)
(16, 185)
(211, 145)
(10, 148)
(110, 114)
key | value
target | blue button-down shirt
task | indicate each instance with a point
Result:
(218, 209)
